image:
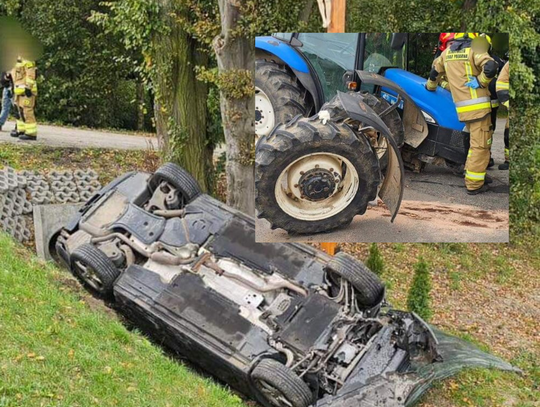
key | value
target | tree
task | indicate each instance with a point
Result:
(165, 33)
(375, 261)
(419, 297)
(236, 61)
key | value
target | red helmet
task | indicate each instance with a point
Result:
(444, 38)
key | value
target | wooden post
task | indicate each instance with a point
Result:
(337, 25)
(337, 18)
(329, 248)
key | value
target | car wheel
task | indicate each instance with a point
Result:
(278, 96)
(369, 288)
(94, 269)
(280, 386)
(312, 177)
(178, 178)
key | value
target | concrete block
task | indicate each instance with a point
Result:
(48, 220)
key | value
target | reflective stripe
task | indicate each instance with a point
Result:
(469, 154)
(31, 129)
(484, 80)
(475, 175)
(502, 85)
(21, 126)
(468, 69)
(19, 90)
(494, 102)
(471, 102)
(471, 108)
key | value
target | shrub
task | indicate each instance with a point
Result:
(375, 261)
(419, 297)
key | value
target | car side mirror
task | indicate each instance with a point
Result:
(398, 40)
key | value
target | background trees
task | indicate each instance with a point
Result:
(98, 55)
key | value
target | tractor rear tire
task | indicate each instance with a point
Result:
(368, 286)
(287, 96)
(300, 138)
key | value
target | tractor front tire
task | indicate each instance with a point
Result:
(280, 87)
(301, 138)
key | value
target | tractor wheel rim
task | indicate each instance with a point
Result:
(290, 192)
(264, 114)
(88, 274)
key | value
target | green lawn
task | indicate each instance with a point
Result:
(58, 350)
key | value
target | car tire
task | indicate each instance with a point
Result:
(280, 87)
(369, 288)
(300, 139)
(275, 381)
(179, 178)
(94, 269)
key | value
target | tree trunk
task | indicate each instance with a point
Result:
(180, 107)
(140, 105)
(236, 60)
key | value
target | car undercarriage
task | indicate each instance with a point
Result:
(285, 324)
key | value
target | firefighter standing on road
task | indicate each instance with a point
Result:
(25, 89)
(503, 94)
(469, 74)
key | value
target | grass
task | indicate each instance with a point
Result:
(108, 163)
(58, 351)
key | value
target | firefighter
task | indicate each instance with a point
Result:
(469, 74)
(25, 89)
(503, 94)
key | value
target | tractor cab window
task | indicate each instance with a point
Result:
(331, 55)
(379, 54)
(283, 36)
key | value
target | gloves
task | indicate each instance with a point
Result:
(473, 82)
(428, 89)
(27, 93)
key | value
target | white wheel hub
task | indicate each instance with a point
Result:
(317, 186)
(265, 119)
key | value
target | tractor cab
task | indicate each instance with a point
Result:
(335, 58)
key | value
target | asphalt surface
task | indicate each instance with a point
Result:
(56, 136)
(435, 208)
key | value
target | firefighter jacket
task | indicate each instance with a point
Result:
(503, 85)
(24, 77)
(461, 64)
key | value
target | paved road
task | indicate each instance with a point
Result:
(55, 136)
(435, 208)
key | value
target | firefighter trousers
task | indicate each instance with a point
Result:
(479, 152)
(26, 122)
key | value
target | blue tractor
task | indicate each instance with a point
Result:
(337, 118)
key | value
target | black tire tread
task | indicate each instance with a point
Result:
(310, 133)
(179, 178)
(102, 265)
(280, 376)
(369, 287)
(280, 84)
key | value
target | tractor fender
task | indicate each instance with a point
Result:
(284, 53)
(414, 123)
(391, 191)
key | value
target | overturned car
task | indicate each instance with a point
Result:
(285, 324)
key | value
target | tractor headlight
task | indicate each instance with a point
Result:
(428, 118)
